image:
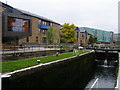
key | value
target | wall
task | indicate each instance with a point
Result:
(36, 33)
(1, 8)
(72, 73)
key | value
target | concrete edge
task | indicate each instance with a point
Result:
(32, 67)
(118, 78)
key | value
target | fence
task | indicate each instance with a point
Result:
(28, 51)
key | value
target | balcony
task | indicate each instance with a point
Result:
(43, 27)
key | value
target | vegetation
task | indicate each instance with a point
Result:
(52, 35)
(67, 33)
(92, 40)
(19, 64)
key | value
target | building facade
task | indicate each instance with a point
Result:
(103, 37)
(81, 37)
(22, 27)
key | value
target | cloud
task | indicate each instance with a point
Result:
(100, 14)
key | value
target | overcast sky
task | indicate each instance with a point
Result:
(100, 14)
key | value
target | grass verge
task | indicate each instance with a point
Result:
(19, 64)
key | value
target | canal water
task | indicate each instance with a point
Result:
(106, 76)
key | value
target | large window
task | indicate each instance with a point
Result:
(44, 40)
(18, 25)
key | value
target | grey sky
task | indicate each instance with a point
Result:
(100, 14)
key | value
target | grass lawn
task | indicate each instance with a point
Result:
(19, 64)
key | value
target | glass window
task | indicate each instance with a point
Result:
(39, 21)
(43, 31)
(45, 23)
(44, 40)
(36, 39)
(18, 25)
(51, 24)
(27, 39)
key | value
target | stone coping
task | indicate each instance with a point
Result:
(36, 66)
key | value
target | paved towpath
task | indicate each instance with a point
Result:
(28, 50)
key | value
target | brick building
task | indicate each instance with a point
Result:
(81, 37)
(22, 27)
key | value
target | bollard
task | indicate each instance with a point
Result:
(57, 54)
(38, 61)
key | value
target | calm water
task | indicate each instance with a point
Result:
(106, 77)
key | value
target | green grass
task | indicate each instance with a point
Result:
(19, 64)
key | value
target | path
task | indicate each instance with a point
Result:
(28, 50)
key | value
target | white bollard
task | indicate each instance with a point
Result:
(38, 61)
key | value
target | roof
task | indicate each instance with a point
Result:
(29, 13)
(35, 15)
(82, 30)
(87, 28)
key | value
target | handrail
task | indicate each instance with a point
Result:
(96, 81)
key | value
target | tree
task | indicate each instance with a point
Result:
(92, 40)
(52, 35)
(67, 33)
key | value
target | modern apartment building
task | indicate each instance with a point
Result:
(22, 27)
(102, 36)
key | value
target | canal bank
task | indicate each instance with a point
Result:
(57, 74)
(118, 78)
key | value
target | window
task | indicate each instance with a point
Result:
(45, 23)
(42, 22)
(39, 21)
(39, 30)
(18, 25)
(51, 24)
(83, 35)
(43, 31)
(27, 39)
(77, 35)
(36, 39)
(44, 40)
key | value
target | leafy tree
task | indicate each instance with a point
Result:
(67, 33)
(92, 40)
(52, 35)
(56, 35)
